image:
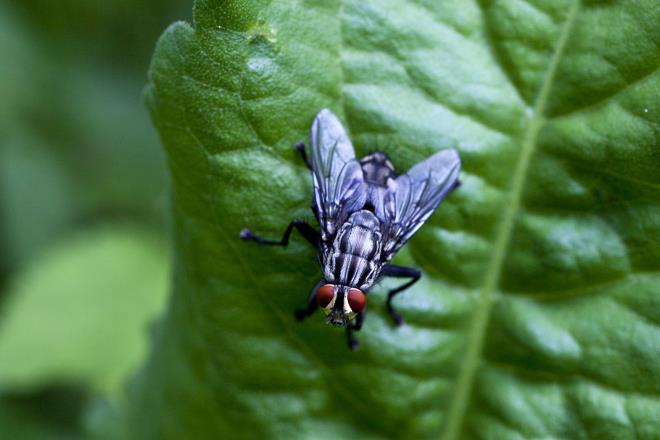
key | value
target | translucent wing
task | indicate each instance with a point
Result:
(413, 197)
(338, 179)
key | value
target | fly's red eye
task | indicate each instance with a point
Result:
(357, 300)
(325, 294)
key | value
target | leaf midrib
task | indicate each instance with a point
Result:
(472, 358)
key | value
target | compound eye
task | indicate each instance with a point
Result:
(357, 300)
(325, 294)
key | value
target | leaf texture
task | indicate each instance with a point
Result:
(538, 314)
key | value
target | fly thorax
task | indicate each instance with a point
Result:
(360, 236)
(354, 257)
(328, 264)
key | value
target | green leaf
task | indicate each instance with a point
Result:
(18, 424)
(538, 314)
(32, 183)
(79, 314)
(51, 413)
(63, 158)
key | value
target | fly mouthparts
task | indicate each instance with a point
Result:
(336, 321)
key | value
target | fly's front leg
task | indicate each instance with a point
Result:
(353, 343)
(311, 306)
(391, 270)
(310, 234)
(300, 148)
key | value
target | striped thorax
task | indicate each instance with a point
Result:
(354, 257)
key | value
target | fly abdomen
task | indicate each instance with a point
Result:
(377, 169)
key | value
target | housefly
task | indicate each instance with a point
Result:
(366, 214)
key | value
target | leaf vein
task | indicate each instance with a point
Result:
(607, 99)
(473, 355)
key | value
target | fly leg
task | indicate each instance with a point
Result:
(312, 237)
(353, 343)
(391, 270)
(300, 148)
(311, 306)
(309, 233)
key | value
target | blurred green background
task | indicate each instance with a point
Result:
(83, 267)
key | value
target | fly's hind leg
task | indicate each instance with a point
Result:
(353, 343)
(399, 272)
(309, 233)
(300, 148)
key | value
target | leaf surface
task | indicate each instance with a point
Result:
(538, 313)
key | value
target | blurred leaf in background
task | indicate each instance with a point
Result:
(74, 315)
(81, 204)
(77, 318)
(76, 141)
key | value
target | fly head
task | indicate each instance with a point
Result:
(340, 303)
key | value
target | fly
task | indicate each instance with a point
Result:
(366, 213)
